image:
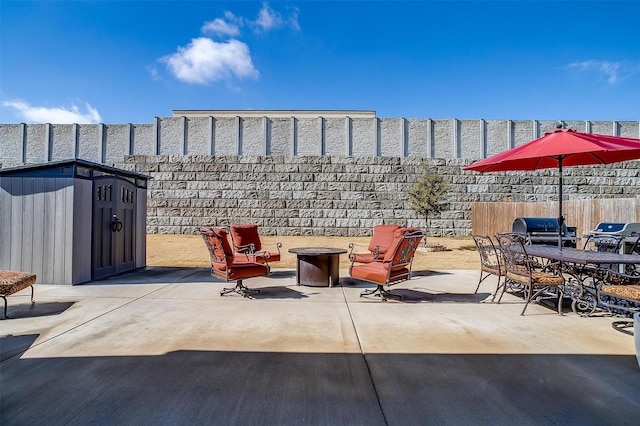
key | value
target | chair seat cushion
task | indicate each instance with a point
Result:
(14, 281)
(378, 272)
(629, 292)
(538, 278)
(242, 270)
(495, 270)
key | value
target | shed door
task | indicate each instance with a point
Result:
(113, 247)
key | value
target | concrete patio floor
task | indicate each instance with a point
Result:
(161, 346)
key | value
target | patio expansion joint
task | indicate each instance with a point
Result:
(364, 357)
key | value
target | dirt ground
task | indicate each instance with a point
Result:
(190, 250)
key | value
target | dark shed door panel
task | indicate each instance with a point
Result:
(113, 246)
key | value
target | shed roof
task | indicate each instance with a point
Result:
(73, 168)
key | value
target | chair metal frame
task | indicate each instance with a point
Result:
(620, 295)
(619, 292)
(491, 262)
(524, 270)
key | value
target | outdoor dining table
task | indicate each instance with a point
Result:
(585, 269)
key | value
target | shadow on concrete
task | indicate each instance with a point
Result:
(353, 282)
(279, 292)
(266, 388)
(12, 345)
(412, 295)
(37, 309)
(282, 274)
(156, 275)
(428, 273)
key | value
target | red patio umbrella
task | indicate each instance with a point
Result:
(562, 147)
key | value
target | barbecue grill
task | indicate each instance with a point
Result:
(543, 230)
(629, 231)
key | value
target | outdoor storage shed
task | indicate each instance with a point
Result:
(72, 221)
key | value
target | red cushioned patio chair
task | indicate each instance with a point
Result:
(225, 266)
(393, 268)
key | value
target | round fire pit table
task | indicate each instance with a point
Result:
(317, 266)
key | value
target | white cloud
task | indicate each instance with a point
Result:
(293, 20)
(268, 19)
(153, 72)
(204, 61)
(54, 115)
(230, 26)
(614, 72)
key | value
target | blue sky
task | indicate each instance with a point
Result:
(128, 61)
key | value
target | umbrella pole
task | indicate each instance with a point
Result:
(560, 216)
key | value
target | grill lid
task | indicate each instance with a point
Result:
(609, 227)
(527, 225)
(616, 228)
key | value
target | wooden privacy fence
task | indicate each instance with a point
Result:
(491, 218)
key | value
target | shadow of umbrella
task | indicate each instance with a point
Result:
(560, 148)
(415, 296)
(279, 292)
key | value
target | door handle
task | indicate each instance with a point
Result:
(116, 224)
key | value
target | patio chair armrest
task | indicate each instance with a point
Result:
(376, 253)
(278, 246)
(247, 248)
(353, 246)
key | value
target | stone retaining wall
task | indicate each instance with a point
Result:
(343, 196)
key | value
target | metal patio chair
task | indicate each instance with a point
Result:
(225, 266)
(393, 268)
(522, 269)
(491, 262)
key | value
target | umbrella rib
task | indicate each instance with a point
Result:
(535, 167)
(594, 155)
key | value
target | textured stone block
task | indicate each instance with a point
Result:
(290, 186)
(299, 222)
(310, 213)
(336, 232)
(248, 204)
(304, 195)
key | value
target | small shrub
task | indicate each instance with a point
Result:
(428, 196)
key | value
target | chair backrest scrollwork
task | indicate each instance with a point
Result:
(220, 251)
(514, 254)
(490, 256)
(404, 246)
